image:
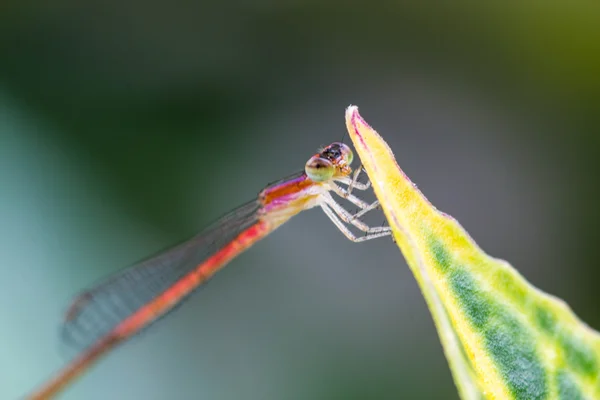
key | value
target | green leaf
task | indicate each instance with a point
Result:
(503, 338)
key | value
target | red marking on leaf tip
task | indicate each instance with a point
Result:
(355, 115)
(362, 121)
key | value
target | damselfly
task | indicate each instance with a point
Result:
(106, 315)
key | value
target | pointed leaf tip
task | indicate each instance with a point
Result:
(503, 338)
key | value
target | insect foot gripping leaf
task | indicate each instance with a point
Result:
(503, 338)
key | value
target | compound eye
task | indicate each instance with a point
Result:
(347, 154)
(339, 153)
(319, 169)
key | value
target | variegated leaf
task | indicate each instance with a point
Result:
(503, 338)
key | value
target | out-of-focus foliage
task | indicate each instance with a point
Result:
(128, 126)
(504, 338)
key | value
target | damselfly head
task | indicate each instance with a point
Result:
(339, 154)
(332, 161)
(319, 169)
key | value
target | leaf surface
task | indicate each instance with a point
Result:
(503, 338)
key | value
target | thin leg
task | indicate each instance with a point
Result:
(362, 212)
(353, 182)
(350, 197)
(345, 216)
(344, 229)
(354, 179)
(346, 180)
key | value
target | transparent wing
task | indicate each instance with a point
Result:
(97, 311)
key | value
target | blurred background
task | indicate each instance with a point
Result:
(126, 127)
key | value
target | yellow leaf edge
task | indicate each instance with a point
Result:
(562, 351)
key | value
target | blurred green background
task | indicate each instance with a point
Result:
(125, 127)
